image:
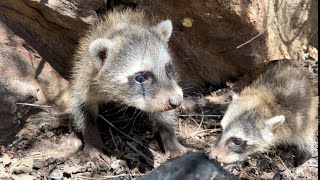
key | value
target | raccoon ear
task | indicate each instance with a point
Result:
(275, 121)
(235, 96)
(164, 29)
(98, 51)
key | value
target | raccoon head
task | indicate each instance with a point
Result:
(248, 127)
(135, 68)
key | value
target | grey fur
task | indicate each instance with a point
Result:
(106, 65)
(283, 89)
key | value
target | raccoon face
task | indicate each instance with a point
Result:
(236, 143)
(248, 127)
(137, 70)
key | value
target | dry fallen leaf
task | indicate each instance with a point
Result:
(6, 159)
(313, 52)
(2, 149)
(10, 154)
(187, 22)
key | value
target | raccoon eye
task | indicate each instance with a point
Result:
(237, 144)
(141, 78)
(169, 70)
(237, 141)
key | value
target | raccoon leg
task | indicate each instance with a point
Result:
(304, 153)
(85, 120)
(165, 124)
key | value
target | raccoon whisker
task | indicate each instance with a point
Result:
(116, 107)
(128, 122)
(135, 111)
(136, 118)
(139, 113)
(126, 135)
(184, 82)
(121, 109)
(195, 80)
(124, 112)
(186, 88)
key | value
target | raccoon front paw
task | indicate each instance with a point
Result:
(174, 152)
(94, 159)
(301, 158)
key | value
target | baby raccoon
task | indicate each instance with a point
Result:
(124, 59)
(278, 108)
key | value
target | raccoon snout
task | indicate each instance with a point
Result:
(175, 101)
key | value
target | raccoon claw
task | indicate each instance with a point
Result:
(95, 159)
(171, 155)
(174, 153)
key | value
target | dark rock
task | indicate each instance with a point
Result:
(190, 166)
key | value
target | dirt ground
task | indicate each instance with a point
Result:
(38, 153)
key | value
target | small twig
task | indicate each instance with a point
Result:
(197, 139)
(114, 142)
(205, 130)
(126, 135)
(202, 117)
(34, 105)
(313, 165)
(185, 130)
(263, 31)
(122, 175)
(245, 170)
(256, 36)
(247, 42)
(286, 168)
(37, 156)
(148, 160)
(179, 122)
(231, 166)
(268, 157)
(198, 115)
(78, 176)
(194, 121)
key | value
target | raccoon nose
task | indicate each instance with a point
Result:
(175, 101)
